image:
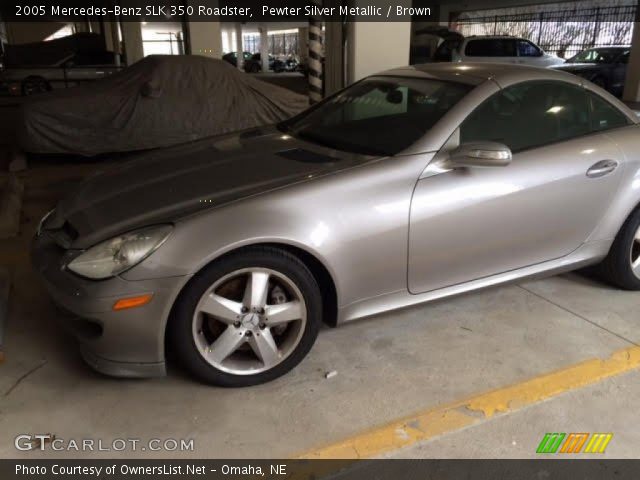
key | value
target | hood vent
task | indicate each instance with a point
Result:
(306, 156)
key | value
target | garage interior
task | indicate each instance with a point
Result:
(426, 361)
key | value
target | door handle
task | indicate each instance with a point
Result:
(601, 168)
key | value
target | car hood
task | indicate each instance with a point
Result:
(166, 185)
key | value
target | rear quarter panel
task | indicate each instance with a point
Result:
(627, 196)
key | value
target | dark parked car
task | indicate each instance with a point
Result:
(254, 64)
(232, 57)
(159, 101)
(604, 66)
(39, 67)
(292, 64)
(434, 44)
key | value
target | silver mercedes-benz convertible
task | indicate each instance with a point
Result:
(408, 186)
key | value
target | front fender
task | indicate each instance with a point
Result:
(345, 220)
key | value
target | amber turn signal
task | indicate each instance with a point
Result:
(132, 302)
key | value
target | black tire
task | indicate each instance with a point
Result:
(180, 328)
(35, 85)
(616, 267)
(251, 67)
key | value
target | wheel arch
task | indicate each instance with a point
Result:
(318, 269)
(32, 78)
(322, 275)
(635, 208)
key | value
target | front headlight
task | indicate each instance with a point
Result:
(114, 256)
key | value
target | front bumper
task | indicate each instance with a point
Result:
(125, 343)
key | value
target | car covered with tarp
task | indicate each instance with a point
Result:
(157, 102)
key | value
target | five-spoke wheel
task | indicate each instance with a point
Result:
(254, 332)
(634, 254)
(250, 317)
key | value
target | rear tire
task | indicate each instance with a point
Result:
(244, 343)
(621, 267)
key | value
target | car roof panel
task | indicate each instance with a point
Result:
(475, 73)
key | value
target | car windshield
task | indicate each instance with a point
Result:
(377, 116)
(596, 55)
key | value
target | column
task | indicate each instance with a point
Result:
(303, 44)
(632, 82)
(205, 39)
(264, 47)
(132, 38)
(315, 60)
(239, 46)
(376, 46)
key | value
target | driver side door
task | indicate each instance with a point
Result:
(470, 223)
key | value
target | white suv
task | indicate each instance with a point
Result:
(497, 48)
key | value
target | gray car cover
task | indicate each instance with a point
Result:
(157, 102)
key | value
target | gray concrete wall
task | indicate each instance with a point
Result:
(206, 39)
(376, 46)
(367, 54)
(27, 32)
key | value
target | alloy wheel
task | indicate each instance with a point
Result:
(634, 255)
(249, 321)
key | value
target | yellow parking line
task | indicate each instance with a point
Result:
(459, 414)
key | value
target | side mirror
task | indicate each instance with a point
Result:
(481, 154)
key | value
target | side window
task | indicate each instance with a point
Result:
(509, 47)
(490, 47)
(529, 115)
(624, 58)
(604, 115)
(445, 50)
(528, 49)
(477, 48)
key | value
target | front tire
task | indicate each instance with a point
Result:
(248, 318)
(621, 267)
(34, 85)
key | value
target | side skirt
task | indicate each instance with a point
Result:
(587, 254)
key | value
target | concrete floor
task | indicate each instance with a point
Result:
(388, 367)
(294, 81)
(610, 406)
